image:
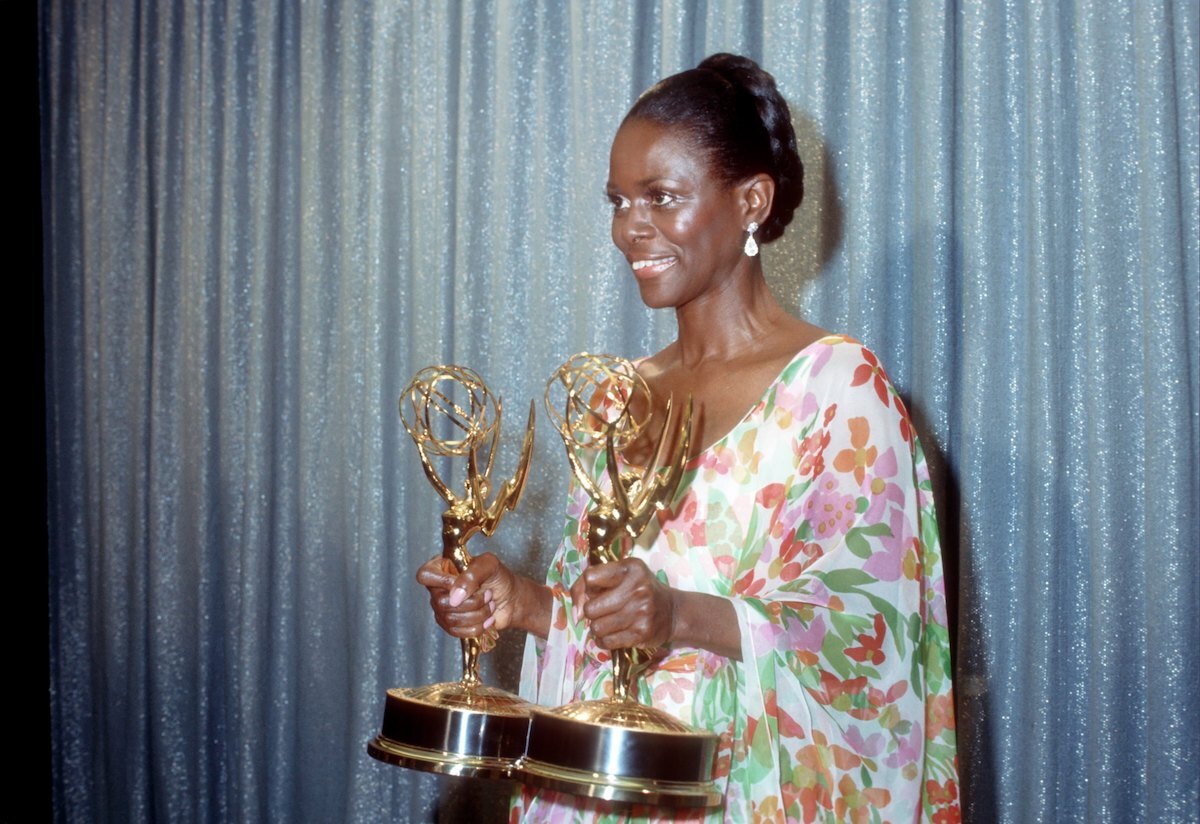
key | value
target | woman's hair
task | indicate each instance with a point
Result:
(731, 110)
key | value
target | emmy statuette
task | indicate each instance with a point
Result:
(461, 728)
(617, 748)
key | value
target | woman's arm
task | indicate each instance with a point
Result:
(627, 606)
(487, 595)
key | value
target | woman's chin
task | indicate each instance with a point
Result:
(653, 295)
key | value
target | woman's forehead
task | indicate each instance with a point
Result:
(644, 150)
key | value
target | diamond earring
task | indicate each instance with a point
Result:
(751, 247)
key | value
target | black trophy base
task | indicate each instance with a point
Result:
(467, 730)
(620, 751)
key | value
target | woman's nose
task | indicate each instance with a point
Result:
(637, 225)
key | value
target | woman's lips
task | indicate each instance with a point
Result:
(649, 267)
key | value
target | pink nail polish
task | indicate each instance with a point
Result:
(457, 596)
(488, 623)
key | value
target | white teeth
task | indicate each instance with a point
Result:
(642, 264)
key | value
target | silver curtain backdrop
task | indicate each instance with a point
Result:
(263, 217)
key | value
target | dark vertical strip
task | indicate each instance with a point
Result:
(646, 25)
(455, 36)
(697, 33)
(753, 24)
(32, 652)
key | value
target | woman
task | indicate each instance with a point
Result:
(802, 615)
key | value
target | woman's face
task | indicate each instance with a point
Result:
(679, 226)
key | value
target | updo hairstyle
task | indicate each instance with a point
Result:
(731, 111)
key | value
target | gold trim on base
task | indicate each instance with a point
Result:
(442, 763)
(617, 788)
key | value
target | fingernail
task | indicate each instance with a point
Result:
(488, 623)
(457, 596)
(487, 596)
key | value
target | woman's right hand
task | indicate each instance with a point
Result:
(487, 595)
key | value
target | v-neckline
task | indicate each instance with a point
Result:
(758, 403)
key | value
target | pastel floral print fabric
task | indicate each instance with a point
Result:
(814, 516)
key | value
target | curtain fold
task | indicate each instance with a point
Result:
(263, 218)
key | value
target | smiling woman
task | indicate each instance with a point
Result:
(794, 586)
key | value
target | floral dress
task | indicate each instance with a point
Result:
(814, 517)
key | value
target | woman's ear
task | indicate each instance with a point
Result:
(756, 193)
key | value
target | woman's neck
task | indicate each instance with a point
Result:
(730, 321)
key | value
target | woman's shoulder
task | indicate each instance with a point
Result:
(850, 383)
(832, 357)
(841, 370)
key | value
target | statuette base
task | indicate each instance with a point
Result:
(468, 730)
(620, 751)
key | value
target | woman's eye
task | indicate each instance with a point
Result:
(618, 203)
(661, 199)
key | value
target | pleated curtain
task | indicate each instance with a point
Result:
(263, 217)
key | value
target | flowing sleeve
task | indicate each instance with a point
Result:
(843, 693)
(552, 668)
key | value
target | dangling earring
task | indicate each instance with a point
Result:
(751, 247)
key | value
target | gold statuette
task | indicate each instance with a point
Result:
(617, 748)
(464, 727)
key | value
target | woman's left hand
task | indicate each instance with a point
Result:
(626, 606)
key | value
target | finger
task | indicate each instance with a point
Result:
(433, 573)
(612, 575)
(481, 569)
(606, 627)
(616, 612)
(470, 623)
(629, 596)
(444, 602)
(603, 576)
(434, 579)
(619, 640)
(464, 623)
(579, 597)
(467, 584)
(618, 630)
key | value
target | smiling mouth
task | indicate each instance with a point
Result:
(652, 266)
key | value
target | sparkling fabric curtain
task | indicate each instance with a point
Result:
(264, 217)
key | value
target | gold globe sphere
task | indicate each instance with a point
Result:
(452, 393)
(590, 396)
